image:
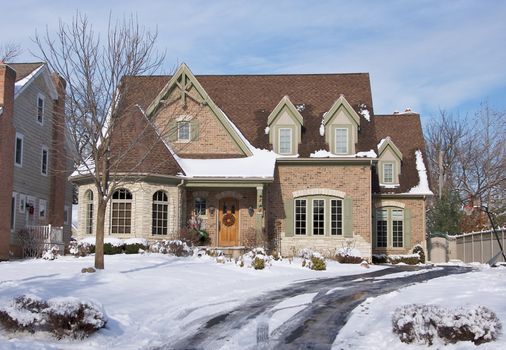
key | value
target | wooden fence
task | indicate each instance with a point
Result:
(470, 247)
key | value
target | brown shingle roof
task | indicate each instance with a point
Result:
(248, 100)
(405, 130)
(24, 69)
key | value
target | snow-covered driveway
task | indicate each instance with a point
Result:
(305, 315)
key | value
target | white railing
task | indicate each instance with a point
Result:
(49, 234)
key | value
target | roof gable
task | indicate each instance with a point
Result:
(185, 82)
(26, 73)
(341, 104)
(285, 104)
(387, 143)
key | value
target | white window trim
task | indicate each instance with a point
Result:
(347, 140)
(279, 140)
(42, 149)
(180, 140)
(324, 216)
(393, 173)
(22, 203)
(22, 138)
(42, 97)
(43, 204)
(295, 218)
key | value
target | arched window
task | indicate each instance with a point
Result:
(121, 212)
(160, 213)
(88, 204)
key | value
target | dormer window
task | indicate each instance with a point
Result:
(183, 131)
(341, 141)
(340, 127)
(284, 126)
(388, 173)
(390, 161)
(285, 141)
(40, 109)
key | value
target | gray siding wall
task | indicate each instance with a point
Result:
(28, 179)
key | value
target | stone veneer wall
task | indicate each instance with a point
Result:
(142, 194)
(353, 180)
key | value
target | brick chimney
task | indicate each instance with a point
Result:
(7, 139)
(59, 170)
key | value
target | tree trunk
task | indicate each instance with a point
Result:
(99, 241)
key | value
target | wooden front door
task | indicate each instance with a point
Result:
(228, 222)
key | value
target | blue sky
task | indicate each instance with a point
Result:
(426, 55)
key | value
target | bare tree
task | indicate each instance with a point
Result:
(9, 51)
(467, 158)
(94, 69)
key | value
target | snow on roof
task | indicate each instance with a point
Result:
(260, 164)
(365, 112)
(86, 168)
(326, 154)
(382, 141)
(423, 185)
(20, 84)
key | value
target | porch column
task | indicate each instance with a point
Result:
(259, 223)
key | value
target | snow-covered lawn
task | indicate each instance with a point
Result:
(370, 325)
(150, 299)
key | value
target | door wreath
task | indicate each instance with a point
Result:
(228, 219)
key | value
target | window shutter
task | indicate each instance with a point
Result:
(172, 130)
(407, 228)
(348, 217)
(194, 129)
(289, 217)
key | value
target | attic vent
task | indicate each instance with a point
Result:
(407, 109)
(396, 112)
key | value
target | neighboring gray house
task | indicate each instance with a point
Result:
(41, 194)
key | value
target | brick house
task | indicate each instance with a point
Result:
(283, 161)
(34, 188)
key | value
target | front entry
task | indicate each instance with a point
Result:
(228, 222)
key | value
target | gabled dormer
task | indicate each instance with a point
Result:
(389, 164)
(284, 126)
(340, 126)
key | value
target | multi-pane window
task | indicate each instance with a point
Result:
(381, 228)
(318, 217)
(336, 217)
(397, 227)
(341, 141)
(390, 228)
(388, 173)
(183, 131)
(42, 208)
(40, 109)
(160, 213)
(18, 156)
(200, 206)
(88, 223)
(43, 161)
(285, 141)
(300, 216)
(121, 213)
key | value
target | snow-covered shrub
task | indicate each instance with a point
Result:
(348, 255)
(312, 260)
(83, 247)
(421, 253)
(425, 324)
(113, 246)
(410, 259)
(51, 253)
(59, 316)
(134, 245)
(172, 247)
(256, 258)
